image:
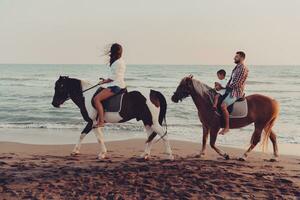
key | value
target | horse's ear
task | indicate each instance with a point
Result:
(63, 77)
(189, 81)
(189, 77)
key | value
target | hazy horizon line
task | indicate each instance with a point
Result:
(147, 64)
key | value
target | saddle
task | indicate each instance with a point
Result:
(237, 110)
(112, 104)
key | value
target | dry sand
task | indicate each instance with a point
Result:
(49, 172)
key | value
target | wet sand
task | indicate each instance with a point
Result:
(49, 172)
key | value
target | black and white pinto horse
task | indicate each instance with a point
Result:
(150, 111)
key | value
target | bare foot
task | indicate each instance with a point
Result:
(224, 131)
(214, 108)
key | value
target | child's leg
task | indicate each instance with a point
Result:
(216, 99)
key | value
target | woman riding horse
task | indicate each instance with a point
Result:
(151, 110)
(115, 81)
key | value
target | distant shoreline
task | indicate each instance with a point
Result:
(146, 65)
(70, 137)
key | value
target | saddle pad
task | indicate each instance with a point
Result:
(239, 109)
(113, 104)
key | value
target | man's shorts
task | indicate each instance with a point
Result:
(229, 100)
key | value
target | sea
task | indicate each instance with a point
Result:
(26, 91)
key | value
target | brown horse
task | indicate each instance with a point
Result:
(262, 111)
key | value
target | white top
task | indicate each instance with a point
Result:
(223, 83)
(117, 73)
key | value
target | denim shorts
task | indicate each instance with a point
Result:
(115, 89)
(229, 100)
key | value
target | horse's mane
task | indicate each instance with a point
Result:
(202, 89)
(85, 84)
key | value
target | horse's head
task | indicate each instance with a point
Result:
(184, 89)
(61, 91)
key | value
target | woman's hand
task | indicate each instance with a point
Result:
(103, 81)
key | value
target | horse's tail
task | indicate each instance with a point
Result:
(270, 124)
(158, 97)
(163, 107)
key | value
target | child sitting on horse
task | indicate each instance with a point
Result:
(220, 86)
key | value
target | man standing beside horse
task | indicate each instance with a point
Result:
(235, 87)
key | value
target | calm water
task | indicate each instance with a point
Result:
(26, 93)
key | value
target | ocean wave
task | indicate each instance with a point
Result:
(259, 82)
(125, 127)
(151, 87)
(34, 78)
(272, 91)
(19, 85)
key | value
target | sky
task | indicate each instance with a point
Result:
(151, 31)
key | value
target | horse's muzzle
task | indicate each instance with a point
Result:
(55, 104)
(174, 98)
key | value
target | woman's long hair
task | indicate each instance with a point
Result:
(114, 53)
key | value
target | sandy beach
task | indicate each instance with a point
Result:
(49, 172)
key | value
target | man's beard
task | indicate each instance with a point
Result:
(237, 61)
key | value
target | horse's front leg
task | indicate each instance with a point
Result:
(99, 135)
(77, 147)
(204, 140)
(213, 138)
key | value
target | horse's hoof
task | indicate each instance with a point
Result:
(146, 157)
(170, 157)
(275, 159)
(241, 159)
(226, 156)
(200, 155)
(101, 156)
(76, 153)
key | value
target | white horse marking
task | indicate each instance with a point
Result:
(77, 147)
(146, 153)
(156, 127)
(99, 135)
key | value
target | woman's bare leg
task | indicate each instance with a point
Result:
(104, 94)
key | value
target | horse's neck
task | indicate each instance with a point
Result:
(78, 97)
(75, 91)
(204, 106)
